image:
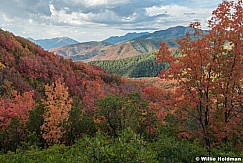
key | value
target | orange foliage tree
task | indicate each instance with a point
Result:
(56, 114)
(209, 72)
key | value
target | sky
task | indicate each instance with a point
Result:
(95, 20)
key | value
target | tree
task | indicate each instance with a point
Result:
(22, 104)
(6, 113)
(17, 106)
(80, 122)
(56, 113)
(93, 91)
(208, 99)
(116, 113)
(14, 113)
(109, 114)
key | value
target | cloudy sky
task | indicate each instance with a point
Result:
(86, 20)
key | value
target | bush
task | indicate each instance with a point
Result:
(129, 147)
(169, 149)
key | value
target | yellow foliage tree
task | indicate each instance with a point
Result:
(57, 107)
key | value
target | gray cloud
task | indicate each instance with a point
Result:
(24, 8)
(96, 11)
(99, 15)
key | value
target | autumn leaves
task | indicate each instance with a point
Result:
(209, 94)
(57, 107)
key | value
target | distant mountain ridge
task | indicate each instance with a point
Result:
(173, 32)
(169, 35)
(127, 37)
(48, 44)
(93, 51)
(125, 50)
(81, 51)
(146, 42)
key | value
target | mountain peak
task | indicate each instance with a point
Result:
(48, 44)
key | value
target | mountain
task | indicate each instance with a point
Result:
(125, 50)
(93, 51)
(127, 37)
(148, 42)
(169, 35)
(81, 51)
(54, 42)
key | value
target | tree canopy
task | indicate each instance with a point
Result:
(208, 99)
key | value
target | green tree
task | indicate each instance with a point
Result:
(80, 122)
(116, 113)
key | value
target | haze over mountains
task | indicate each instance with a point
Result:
(118, 47)
(48, 44)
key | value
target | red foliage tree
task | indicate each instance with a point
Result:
(22, 104)
(17, 106)
(157, 96)
(6, 113)
(93, 92)
(209, 72)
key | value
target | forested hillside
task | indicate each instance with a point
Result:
(143, 65)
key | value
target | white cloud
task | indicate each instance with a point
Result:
(30, 21)
(179, 14)
(65, 17)
(176, 11)
(52, 9)
(5, 20)
(62, 17)
(104, 2)
(95, 3)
